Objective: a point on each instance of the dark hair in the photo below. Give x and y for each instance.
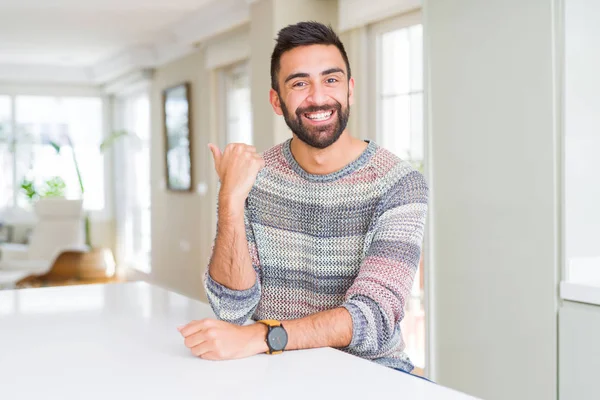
(303, 34)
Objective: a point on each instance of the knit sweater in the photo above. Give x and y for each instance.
(348, 239)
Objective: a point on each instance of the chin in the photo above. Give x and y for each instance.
(321, 142)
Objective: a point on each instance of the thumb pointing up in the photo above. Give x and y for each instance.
(216, 155)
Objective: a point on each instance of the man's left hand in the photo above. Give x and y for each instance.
(212, 339)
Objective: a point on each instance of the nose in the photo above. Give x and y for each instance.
(317, 94)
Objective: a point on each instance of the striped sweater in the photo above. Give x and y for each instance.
(348, 239)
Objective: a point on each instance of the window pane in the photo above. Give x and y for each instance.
(417, 145)
(395, 62)
(396, 125)
(415, 34)
(238, 105)
(6, 157)
(75, 125)
(142, 118)
(83, 116)
(134, 159)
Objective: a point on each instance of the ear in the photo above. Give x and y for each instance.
(351, 91)
(275, 102)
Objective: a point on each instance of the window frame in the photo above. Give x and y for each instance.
(120, 103)
(373, 114)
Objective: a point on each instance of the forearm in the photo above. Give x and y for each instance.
(331, 328)
(230, 264)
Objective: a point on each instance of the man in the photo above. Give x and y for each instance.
(319, 238)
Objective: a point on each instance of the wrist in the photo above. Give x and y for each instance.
(257, 337)
(231, 206)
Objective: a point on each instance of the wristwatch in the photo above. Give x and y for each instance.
(277, 337)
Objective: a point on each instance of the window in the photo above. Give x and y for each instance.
(398, 111)
(36, 126)
(6, 157)
(400, 92)
(581, 185)
(132, 161)
(237, 104)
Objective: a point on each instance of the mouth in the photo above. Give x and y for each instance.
(319, 117)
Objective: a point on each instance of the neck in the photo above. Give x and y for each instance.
(331, 159)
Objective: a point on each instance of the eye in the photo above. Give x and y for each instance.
(331, 80)
(299, 84)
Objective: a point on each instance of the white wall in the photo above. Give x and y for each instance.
(182, 228)
(494, 204)
(582, 128)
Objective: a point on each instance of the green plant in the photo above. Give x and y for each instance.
(110, 140)
(69, 142)
(57, 148)
(55, 187)
(417, 164)
(28, 187)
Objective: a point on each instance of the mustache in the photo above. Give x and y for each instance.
(313, 109)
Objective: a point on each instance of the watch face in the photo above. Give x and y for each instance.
(277, 338)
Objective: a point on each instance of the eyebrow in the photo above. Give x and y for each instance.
(305, 75)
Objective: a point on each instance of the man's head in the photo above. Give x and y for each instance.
(311, 83)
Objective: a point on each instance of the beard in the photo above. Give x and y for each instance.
(318, 137)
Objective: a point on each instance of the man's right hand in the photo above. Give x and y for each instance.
(237, 168)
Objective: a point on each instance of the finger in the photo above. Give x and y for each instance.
(241, 146)
(216, 155)
(211, 355)
(195, 339)
(231, 148)
(193, 327)
(201, 349)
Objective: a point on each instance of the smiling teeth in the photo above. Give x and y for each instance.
(319, 116)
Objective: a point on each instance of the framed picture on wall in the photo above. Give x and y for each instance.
(178, 137)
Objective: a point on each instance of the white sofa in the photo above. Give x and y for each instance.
(59, 227)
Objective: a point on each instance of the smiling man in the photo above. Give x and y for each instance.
(319, 238)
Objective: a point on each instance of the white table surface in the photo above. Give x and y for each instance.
(120, 341)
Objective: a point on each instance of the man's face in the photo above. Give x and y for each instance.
(314, 94)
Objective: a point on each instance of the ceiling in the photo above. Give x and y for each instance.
(91, 33)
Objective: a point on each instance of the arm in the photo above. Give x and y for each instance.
(376, 299)
(231, 280)
(219, 340)
(230, 264)
(331, 328)
(367, 324)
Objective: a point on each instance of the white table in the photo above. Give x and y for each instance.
(119, 341)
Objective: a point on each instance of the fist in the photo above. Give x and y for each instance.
(237, 167)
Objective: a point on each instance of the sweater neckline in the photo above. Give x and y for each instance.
(348, 169)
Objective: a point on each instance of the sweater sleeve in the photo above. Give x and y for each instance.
(236, 306)
(377, 296)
